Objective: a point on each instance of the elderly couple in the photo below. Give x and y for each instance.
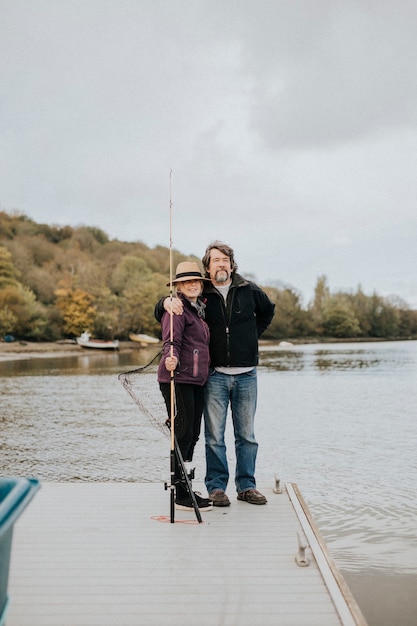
(216, 325)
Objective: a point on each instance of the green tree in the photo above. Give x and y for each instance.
(8, 272)
(289, 320)
(129, 274)
(137, 310)
(321, 297)
(339, 319)
(31, 317)
(361, 304)
(384, 318)
(8, 321)
(407, 323)
(106, 318)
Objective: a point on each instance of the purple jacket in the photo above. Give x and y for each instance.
(191, 338)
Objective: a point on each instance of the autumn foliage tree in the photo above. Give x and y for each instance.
(77, 310)
(57, 281)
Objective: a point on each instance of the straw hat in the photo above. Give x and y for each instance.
(187, 270)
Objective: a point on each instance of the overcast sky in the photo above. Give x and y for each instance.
(290, 128)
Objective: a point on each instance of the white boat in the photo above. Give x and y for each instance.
(143, 339)
(85, 341)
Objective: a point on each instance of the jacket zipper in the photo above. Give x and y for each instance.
(228, 316)
(227, 312)
(195, 362)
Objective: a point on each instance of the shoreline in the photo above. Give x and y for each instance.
(20, 350)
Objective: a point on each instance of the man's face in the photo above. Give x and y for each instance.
(219, 268)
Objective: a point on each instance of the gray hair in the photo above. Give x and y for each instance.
(225, 249)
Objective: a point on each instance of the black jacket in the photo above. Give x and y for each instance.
(236, 325)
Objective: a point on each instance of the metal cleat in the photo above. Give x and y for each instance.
(301, 558)
(277, 488)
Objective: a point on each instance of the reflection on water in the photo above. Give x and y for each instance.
(339, 420)
(82, 363)
(337, 357)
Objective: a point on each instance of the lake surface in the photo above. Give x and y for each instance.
(337, 419)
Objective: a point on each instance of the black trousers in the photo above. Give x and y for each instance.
(189, 400)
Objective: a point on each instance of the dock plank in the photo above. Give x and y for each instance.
(87, 554)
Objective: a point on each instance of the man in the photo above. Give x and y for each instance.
(237, 313)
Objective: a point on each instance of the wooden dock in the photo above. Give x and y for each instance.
(106, 554)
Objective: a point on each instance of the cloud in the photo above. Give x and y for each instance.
(326, 72)
(290, 129)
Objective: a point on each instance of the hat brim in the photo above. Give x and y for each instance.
(183, 279)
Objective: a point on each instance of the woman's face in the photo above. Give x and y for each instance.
(190, 288)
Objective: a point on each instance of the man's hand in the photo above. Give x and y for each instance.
(177, 306)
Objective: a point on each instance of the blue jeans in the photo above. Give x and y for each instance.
(241, 392)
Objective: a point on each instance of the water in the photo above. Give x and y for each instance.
(339, 420)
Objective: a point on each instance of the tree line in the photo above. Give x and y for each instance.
(57, 281)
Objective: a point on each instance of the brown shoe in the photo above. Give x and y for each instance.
(219, 498)
(253, 496)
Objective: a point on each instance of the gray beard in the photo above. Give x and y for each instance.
(222, 279)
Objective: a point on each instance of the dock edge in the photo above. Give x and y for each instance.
(346, 605)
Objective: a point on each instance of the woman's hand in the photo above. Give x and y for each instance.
(171, 363)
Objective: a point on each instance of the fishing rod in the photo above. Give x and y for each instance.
(171, 342)
(175, 452)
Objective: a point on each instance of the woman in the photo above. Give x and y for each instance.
(190, 363)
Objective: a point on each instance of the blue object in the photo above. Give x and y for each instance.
(15, 495)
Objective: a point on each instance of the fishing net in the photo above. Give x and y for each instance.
(143, 387)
